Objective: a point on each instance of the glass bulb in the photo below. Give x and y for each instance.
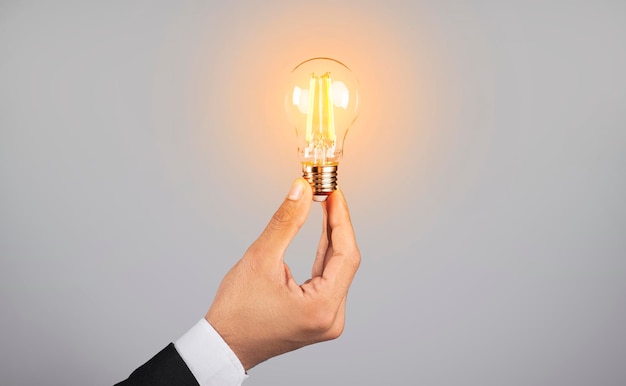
(322, 103)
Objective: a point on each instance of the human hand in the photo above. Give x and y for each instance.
(260, 310)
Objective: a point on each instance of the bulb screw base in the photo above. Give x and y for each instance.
(323, 180)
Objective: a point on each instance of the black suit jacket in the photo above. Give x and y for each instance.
(166, 368)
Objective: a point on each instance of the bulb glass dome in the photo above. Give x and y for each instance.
(322, 103)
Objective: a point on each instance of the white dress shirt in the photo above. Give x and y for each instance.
(209, 358)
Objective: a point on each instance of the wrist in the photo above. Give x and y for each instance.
(232, 342)
(247, 345)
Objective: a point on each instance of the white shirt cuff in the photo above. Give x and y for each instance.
(209, 358)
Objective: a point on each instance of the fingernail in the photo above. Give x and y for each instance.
(295, 193)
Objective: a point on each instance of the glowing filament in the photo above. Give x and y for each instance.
(320, 122)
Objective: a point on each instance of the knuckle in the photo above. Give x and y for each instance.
(335, 331)
(255, 252)
(282, 218)
(352, 259)
(319, 321)
(356, 258)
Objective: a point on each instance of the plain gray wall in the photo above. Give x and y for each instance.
(143, 148)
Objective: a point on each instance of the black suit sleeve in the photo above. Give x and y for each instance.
(165, 369)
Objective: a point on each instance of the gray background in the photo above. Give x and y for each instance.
(143, 146)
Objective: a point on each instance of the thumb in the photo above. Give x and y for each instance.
(285, 223)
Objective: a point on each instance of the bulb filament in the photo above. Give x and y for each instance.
(320, 124)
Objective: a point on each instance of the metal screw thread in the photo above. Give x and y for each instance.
(323, 179)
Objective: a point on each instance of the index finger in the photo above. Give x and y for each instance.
(341, 266)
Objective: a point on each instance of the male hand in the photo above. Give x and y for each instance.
(260, 310)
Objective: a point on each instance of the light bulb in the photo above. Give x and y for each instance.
(322, 103)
